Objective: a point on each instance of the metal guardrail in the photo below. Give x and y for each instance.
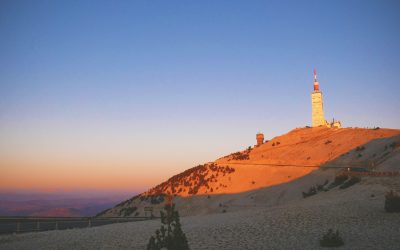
(23, 224)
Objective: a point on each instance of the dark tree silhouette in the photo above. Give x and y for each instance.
(392, 202)
(170, 235)
(331, 239)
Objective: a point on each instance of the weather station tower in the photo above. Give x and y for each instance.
(318, 118)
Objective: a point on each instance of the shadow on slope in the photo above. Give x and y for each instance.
(208, 176)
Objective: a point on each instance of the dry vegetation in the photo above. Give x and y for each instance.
(192, 180)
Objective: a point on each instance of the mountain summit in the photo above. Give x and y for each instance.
(298, 159)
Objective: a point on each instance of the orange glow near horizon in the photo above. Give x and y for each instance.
(45, 176)
(106, 156)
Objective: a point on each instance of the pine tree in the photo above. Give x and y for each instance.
(170, 235)
(392, 202)
(331, 239)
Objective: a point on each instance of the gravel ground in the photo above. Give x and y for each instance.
(360, 218)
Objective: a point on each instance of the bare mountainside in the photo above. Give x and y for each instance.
(257, 214)
(272, 174)
(357, 212)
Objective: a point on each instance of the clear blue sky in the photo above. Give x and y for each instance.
(159, 86)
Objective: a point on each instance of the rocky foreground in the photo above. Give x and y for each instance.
(357, 212)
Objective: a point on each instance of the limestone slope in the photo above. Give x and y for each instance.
(270, 174)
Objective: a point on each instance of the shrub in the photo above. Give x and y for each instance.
(156, 199)
(311, 191)
(328, 141)
(170, 236)
(353, 180)
(360, 148)
(331, 239)
(338, 181)
(126, 211)
(320, 187)
(315, 189)
(240, 156)
(392, 202)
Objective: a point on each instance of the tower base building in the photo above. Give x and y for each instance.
(260, 139)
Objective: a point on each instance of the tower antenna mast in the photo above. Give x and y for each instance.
(315, 74)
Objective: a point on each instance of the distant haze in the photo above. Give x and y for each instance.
(24, 203)
(121, 95)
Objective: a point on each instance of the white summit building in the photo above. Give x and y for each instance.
(318, 118)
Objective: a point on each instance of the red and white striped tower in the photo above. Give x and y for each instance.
(316, 84)
(318, 118)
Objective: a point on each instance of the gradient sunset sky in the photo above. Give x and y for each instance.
(120, 95)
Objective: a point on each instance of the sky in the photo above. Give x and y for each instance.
(120, 95)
